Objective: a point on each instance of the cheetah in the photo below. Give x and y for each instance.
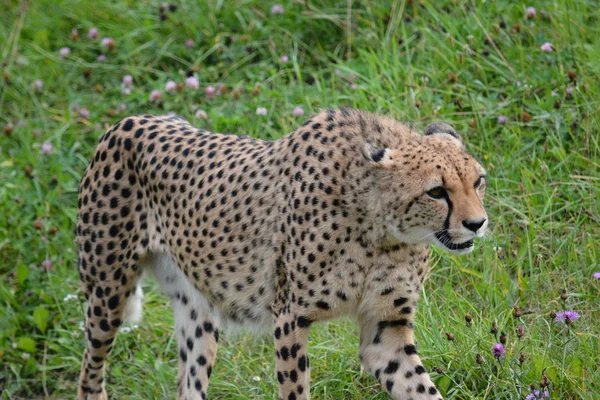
(334, 219)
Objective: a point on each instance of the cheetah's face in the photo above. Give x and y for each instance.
(432, 190)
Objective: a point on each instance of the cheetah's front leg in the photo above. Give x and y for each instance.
(292, 366)
(388, 351)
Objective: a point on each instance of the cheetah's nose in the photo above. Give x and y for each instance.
(474, 225)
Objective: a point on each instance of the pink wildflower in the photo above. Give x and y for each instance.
(108, 43)
(277, 9)
(192, 83)
(155, 95)
(502, 119)
(64, 52)
(298, 112)
(189, 44)
(284, 59)
(569, 90)
(128, 81)
(353, 86)
(547, 47)
(566, 316)
(171, 87)
(101, 58)
(84, 113)
(210, 92)
(498, 351)
(47, 265)
(596, 275)
(93, 33)
(38, 85)
(125, 91)
(530, 13)
(47, 148)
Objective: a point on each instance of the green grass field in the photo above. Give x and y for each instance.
(528, 110)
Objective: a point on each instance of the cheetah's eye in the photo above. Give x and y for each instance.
(478, 182)
(437, 193)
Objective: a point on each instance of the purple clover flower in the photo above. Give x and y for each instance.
(530, 13)
(566, 316)
(277, 9)
(192, 83)
(155, 95)
(210, 92)
(547, 47)
(596, 275)
(498, 351)
(537, 395)
(47, 265)
(64, 52)
(299, 111)
(171, 87)
(47, 148)
(93, 33)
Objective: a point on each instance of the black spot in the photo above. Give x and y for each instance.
(432, 390)
(392, 367)
(389, 384)
(104, 325)
(303, 322)
(410, 349)
(128, 125)
(302, 361)
(399, 301)
(113, 302)
(421, 388)
(419, 369)
(322, 305)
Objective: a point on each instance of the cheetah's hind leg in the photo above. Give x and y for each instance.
(196, 328)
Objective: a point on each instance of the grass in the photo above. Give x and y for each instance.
(465, 62)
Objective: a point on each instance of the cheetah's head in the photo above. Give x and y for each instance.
(431, 190)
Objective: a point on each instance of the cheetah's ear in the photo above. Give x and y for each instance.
(442, 128)
(377, 156)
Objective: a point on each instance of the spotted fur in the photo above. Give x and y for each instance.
(332, 219)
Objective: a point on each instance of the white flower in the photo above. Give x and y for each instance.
(69, 297)
(261, 111)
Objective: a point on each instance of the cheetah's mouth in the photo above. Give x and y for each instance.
(444, 238)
